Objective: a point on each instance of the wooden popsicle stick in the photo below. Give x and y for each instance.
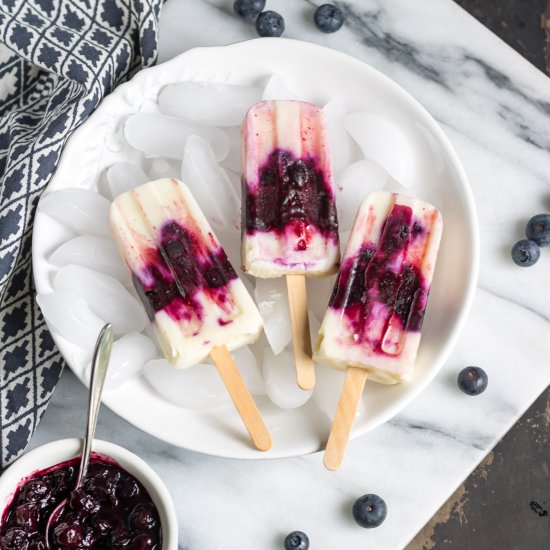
(344, 417)
(241, 397)
(301, 340)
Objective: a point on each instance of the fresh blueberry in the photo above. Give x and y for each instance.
(328, 18)
(525, 253)
(369, 511)
(472, 380)
(296, 541)
(248, 9)
(538, 229)
(270, 23)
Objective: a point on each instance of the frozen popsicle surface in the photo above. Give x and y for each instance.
(289, 221)
(188, 287)
(376, 310)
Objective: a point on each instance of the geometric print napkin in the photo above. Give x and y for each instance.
(58, 59)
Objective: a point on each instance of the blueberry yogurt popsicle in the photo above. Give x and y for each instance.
(197, 304)
(374, 318)
(289, 224)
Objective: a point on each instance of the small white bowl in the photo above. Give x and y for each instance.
(64, 449)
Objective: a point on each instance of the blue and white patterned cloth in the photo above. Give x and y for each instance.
(58, 59)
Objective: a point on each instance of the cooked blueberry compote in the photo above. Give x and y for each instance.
(178, 269)
(291, 191)
(111, 511)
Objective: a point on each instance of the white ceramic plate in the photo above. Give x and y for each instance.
(317, 74)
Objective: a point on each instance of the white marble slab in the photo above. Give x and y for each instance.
(495, 108)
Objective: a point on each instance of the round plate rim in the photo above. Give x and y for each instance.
(307, 48)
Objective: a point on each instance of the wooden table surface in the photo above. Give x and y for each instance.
(505, 503)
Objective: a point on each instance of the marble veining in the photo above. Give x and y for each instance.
(495, 108)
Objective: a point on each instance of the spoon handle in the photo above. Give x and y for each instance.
(100, 362)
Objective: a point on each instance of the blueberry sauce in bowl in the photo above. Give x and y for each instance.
(113, 509)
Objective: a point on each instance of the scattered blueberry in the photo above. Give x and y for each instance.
(328, 18)
(248, 9)
(296, 541)
(525, 253)
(472, 380)
(538, 229)
(270, 23)
(369, 511)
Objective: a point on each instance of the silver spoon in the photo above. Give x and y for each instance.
(100, 362)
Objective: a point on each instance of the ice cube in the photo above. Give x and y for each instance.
(342, 147)
(328, 387)
(98, 253)
(82, 210)
(235, 180)
(209, 103)
(248, 281)
(162, 168)
(278, 88)
(344, 238)
(314, 326)
(233, 159)
(69, 315)
(210, 185)
(123, 176)
(149, 331)
(231, 243)
(128, 358)
(199, 387)
(106, 297)
(272, 300)
(354, 184)
(383, 142)
(249, 369)
(280, 380)
(319, 290)
(162, 136)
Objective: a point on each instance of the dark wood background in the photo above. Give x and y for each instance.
(505, 503)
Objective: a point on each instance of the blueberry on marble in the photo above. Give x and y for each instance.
(328, 18)
(369, 511)
(270, 23)
(538, 229)
(525, 253)
(296, 541)
(248, 9)
(472, 380)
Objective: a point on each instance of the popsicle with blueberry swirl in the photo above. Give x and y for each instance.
(372, 326)
(289, 225)
(197, 304)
